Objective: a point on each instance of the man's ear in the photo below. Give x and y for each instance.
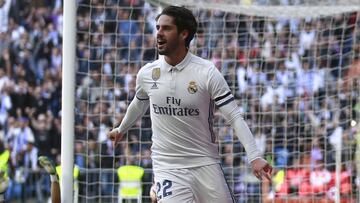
(184, 34)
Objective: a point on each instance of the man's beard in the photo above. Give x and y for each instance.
(162, 52)
(168, 47)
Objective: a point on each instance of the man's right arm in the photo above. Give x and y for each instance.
(135, 111)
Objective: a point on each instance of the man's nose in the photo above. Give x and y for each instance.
(159, 32)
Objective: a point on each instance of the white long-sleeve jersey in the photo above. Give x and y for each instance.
(181, 100)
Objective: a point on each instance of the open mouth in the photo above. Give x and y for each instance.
(161, 42)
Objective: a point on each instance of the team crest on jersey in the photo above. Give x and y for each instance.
(192, 88)
(155, 76)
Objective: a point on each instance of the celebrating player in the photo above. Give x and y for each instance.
(181, 90)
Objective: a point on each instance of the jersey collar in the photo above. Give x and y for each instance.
(179, 66)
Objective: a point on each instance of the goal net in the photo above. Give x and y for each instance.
(292, 65)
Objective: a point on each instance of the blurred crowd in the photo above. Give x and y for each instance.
(296, 81)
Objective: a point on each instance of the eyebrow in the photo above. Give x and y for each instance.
(164, 26)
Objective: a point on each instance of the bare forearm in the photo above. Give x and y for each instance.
(55, 192)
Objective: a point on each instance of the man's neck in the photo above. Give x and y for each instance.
(176, 57)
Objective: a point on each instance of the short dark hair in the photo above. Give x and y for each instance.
(183, 19)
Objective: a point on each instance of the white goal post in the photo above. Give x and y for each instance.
(68, 101)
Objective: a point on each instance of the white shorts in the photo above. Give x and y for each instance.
(205, 184)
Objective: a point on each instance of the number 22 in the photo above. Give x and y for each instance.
(165, 186)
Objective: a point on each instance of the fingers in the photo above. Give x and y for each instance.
(115, 137)
(267, 176)
(262, 174)
(112, 136)
(153, 194)
(268, 169)
(266, 172)
(258, 175)
(116, 140)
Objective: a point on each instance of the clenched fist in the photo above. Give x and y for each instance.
(115, 135)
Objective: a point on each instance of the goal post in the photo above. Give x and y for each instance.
(291, 65)
(68, 100)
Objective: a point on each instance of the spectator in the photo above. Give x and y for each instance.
(42, 132)
(4, 13)
(352, 75)
(319, 181)
(293, 178)
(306, 39)
(23, 135)
(5, 103)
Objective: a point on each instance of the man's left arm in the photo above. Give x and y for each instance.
(259, 165)
(224, 100)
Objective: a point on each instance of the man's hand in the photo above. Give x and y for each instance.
(261, 168)
(153, 194)
(115, 136)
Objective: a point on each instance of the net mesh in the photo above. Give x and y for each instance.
(293, 67)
